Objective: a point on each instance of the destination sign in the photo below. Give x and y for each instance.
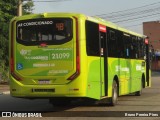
(35, 23)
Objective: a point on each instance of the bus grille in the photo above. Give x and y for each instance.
(43, 90)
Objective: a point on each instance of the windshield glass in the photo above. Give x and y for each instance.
(51, 31)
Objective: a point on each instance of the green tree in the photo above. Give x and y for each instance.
(8, 10)
(28, 7)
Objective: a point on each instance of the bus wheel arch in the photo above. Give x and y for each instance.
(139, 93)
(115, 92)
(143, 80)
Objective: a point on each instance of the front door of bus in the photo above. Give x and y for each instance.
(103, 61)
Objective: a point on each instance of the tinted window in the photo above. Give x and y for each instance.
(92, 39)
(112, 42)
(52, 31)
(134, 48)
(127, 45)
(120, 45)
(141, 48)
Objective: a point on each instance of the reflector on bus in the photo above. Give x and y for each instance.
(102, 28)
(146, 41)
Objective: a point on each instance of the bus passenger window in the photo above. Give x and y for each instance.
(92, 39)
(112, 43)
(127, 45)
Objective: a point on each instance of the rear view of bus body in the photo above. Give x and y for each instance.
(68, 55)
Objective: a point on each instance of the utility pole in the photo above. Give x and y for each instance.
(19, 12)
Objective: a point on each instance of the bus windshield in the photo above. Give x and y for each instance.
(50, 31)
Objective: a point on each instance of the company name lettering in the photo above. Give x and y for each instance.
(37, 58)
(35, 23)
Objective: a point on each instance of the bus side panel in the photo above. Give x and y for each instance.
(112, 63)
(118, 69)
(136, 71)
(130, 76)
(122, 71)
(94, 76)
(129, 73)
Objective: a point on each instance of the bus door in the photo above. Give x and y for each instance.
(103, 60)
(147, 62)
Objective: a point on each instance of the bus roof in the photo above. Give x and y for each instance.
(94, 19)
(112, 25)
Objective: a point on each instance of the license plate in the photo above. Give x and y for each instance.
(43, 81)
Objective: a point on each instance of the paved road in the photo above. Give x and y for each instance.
(148, 103)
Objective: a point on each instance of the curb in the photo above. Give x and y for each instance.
(5, 93)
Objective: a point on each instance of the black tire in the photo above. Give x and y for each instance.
(138, 93)
(113, 100)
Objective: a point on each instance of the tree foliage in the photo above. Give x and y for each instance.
(28, 7)
(8, 9)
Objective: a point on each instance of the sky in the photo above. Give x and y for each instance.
(105, 9)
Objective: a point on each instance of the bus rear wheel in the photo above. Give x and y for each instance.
(138, 93)
(113, 100)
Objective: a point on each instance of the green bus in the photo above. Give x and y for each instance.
(65, 56)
